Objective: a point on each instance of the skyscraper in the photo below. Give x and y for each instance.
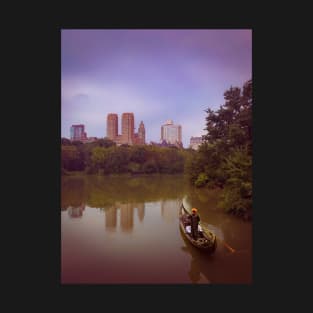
(112, 126)
(128, 124)
(195, 142)
(171, 133)
(141, 134)
(128, 135)
(78, 132)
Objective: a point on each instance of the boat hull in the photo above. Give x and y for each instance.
(206, 240)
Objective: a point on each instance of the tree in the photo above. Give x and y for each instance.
(232, 123)
(105, 142)
(98, 158)
(138, 154)
(238, 188)
(71, 159)
(225, 158)
(65, 142)
(150, 167)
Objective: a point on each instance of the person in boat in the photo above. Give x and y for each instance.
(194, 219)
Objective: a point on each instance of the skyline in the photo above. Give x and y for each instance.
(156, 74)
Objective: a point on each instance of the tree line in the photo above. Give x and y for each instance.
(224, 160)
(104, 157)
(104, 191)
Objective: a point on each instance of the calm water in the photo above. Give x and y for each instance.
(118, 230)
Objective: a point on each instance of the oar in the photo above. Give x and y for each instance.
(223, 242)
(226, 245)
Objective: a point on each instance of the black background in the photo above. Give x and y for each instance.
(33, 130)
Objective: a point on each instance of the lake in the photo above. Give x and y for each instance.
(125, 230)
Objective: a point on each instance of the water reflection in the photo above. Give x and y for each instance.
(114, 222)
(141, 211)
(102, 192)
(75, 212)
(169, 210)
(111, 218)
(127, 216)
(219, 268)
(73, 192)
(119, 197)
(198, 263)
(124, 213)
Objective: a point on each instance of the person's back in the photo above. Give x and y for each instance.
(194, 221)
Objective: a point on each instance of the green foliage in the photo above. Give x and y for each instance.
(71, 158)
(90, 170)
(225, 159)
(237, 195)
(134, 168)
(65, 142)
(106, 143)
(201, 180)
(150, 167)
(98, 157)
(102, 157)
(138, 154)
(189, 165)
(169, 160)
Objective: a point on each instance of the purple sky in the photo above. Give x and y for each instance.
(156, 74)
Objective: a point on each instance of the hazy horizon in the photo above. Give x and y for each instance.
(157, 74)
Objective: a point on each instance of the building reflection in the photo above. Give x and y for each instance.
(140, 211)
(127, 216)
(169, 210)
(75, 212)
(111, 218)
(123, 214)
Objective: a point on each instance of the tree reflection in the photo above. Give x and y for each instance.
(105, 191)
(73, 192)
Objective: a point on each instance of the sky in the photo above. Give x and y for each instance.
(158, 74)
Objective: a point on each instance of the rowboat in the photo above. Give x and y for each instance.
(206, 240)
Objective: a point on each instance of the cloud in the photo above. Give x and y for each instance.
(157, 75)
(90, 102)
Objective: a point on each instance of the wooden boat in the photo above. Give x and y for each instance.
(206, 239)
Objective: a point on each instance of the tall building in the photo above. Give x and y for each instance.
(128, 124)
(128, 135)
(141, 134)
(112, 126)
(78, 132)
(171, 133)
(195, 142)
